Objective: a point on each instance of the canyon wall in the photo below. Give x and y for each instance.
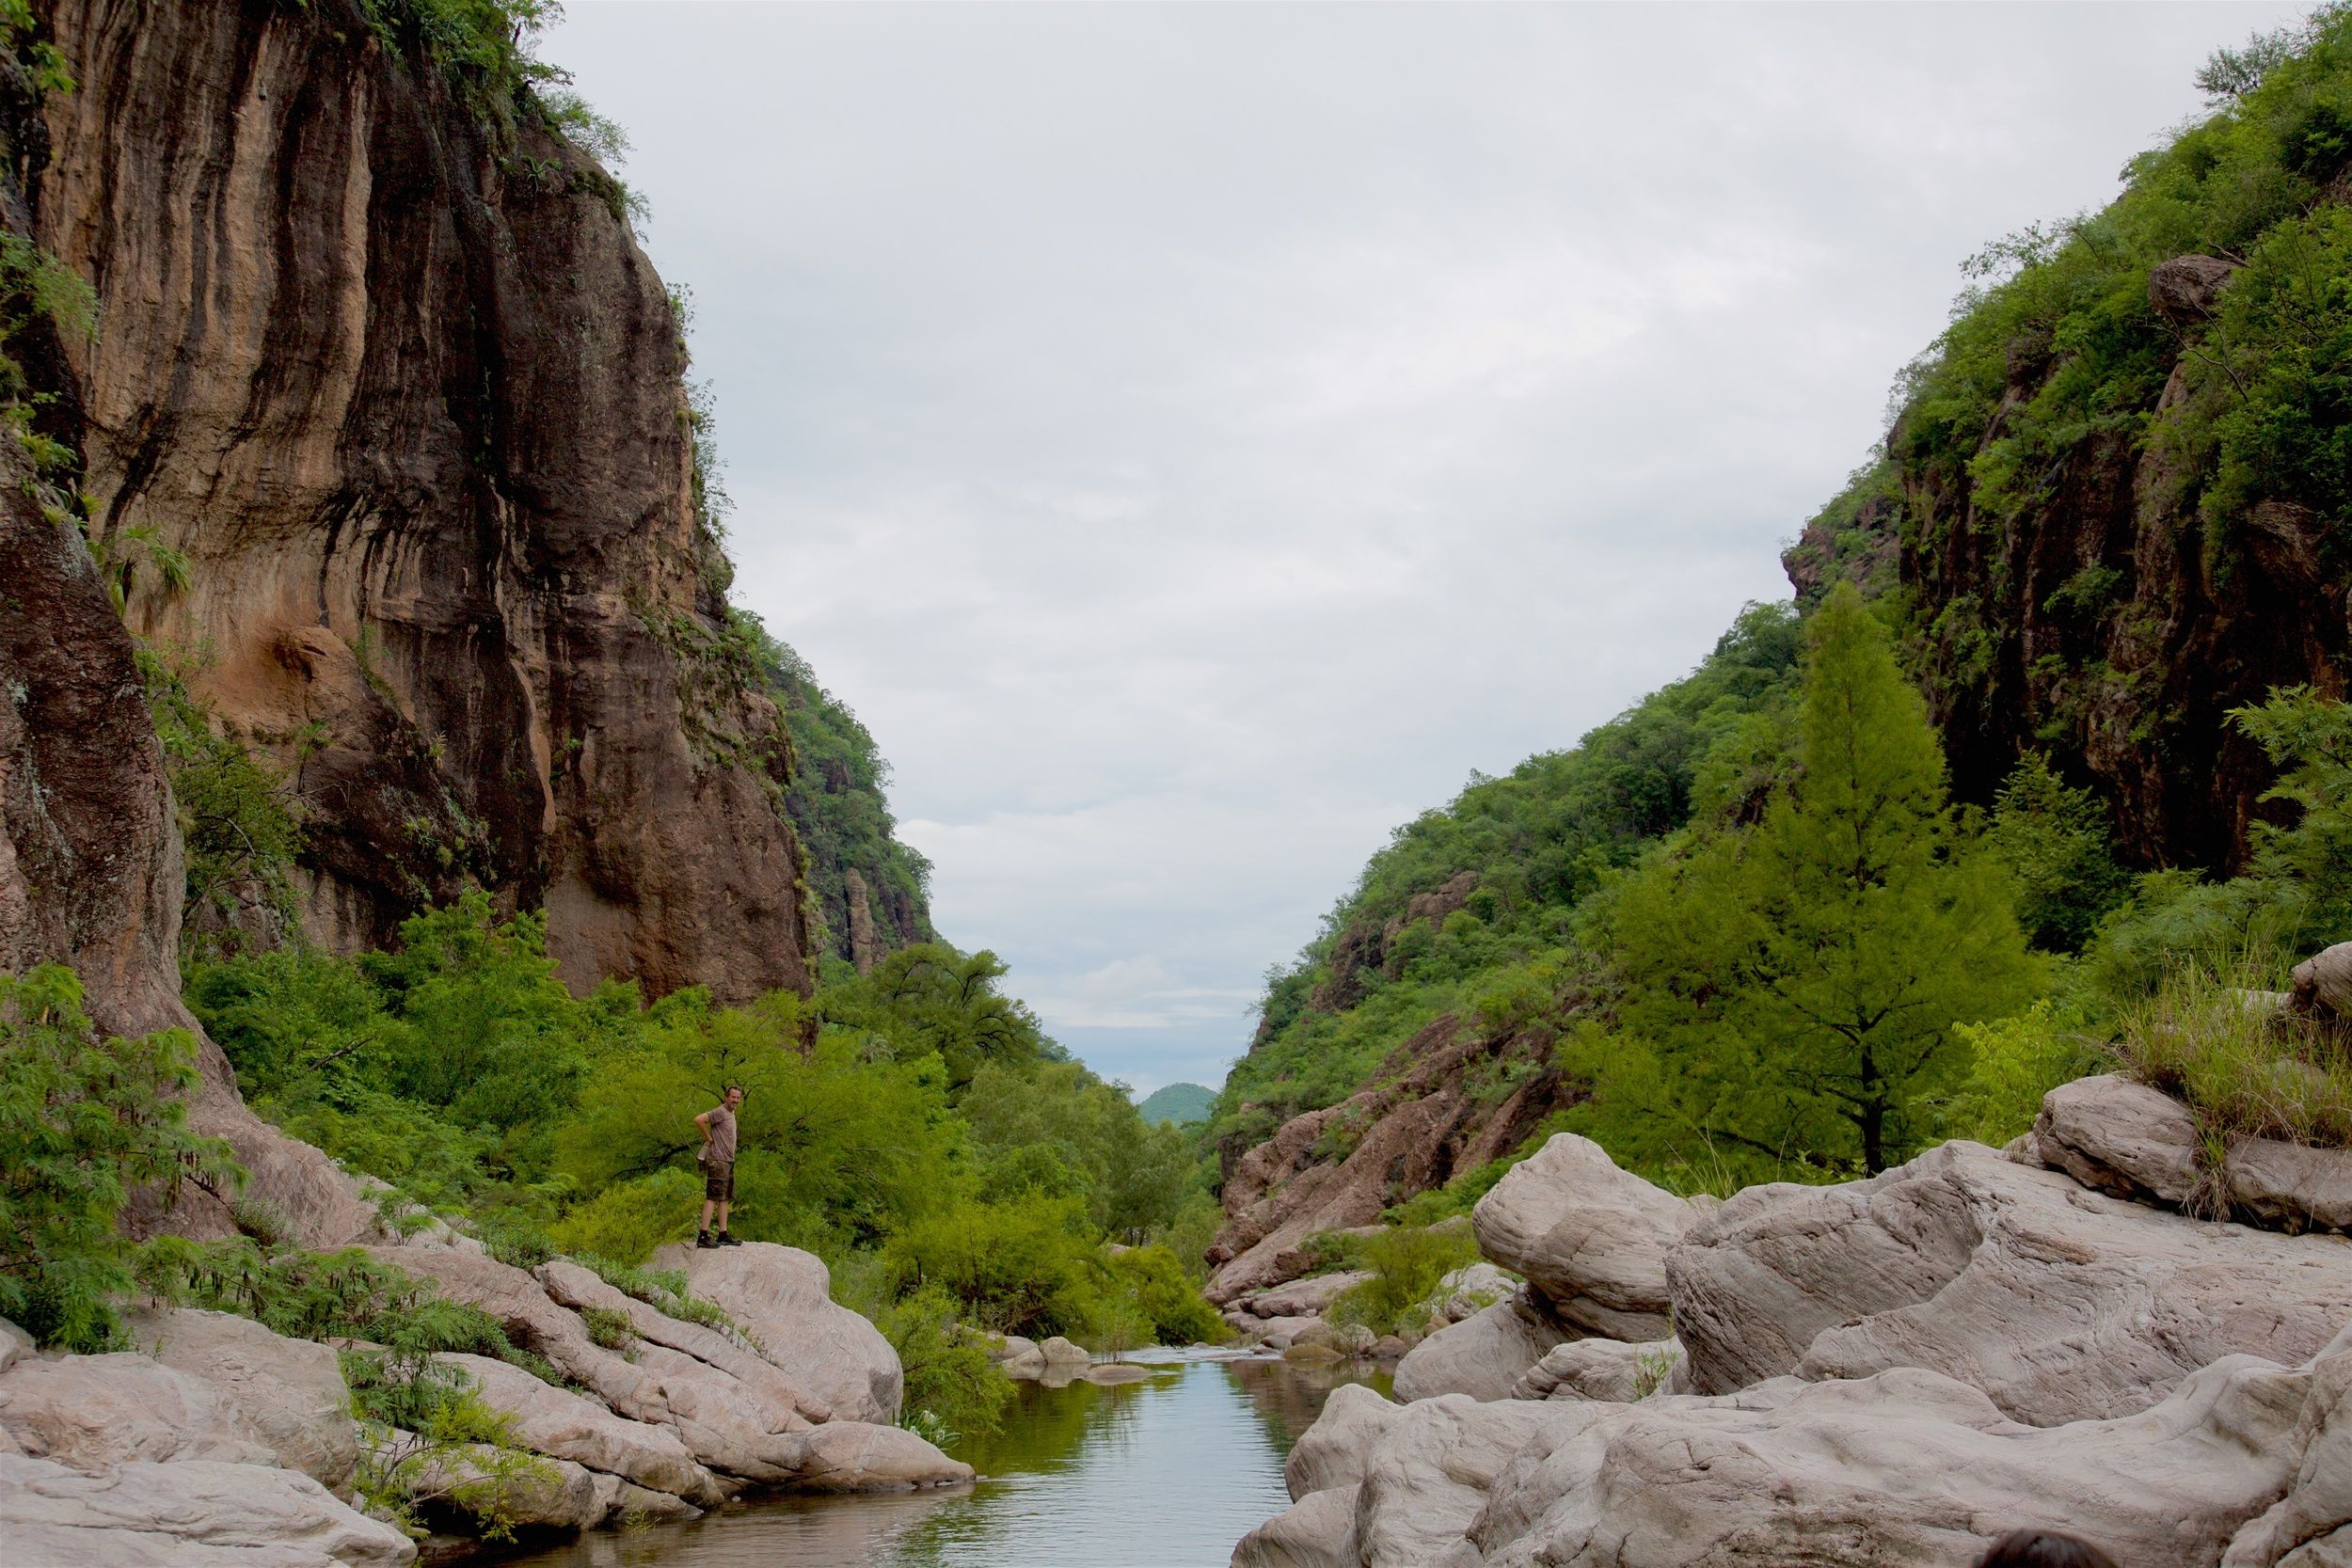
(379, 354)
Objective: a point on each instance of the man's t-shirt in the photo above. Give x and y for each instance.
(722, 1151)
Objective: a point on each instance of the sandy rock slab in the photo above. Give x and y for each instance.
(1485, 1354)
(1907, 1466)
(859, 1456)
(784, 1296)
(291, 1391)
(1590, 1240)
(91, 1413)
(563, 1425)
(1310, 1297)
(1603, 1369)
(2061, 1304)
(191, 1514)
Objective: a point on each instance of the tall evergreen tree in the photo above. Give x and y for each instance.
(1793, 988)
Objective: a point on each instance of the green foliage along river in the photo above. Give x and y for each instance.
(1165, 1473)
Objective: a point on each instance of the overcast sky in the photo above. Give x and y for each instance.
(1193, 439)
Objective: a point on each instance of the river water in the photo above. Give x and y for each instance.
(1164, 1473)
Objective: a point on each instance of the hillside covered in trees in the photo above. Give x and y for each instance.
(2104, 545)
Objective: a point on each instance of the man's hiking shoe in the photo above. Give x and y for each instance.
(727, 1239)
(702, 1239)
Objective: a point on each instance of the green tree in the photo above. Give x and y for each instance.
(929, 997)
(2054, 840)
(83, 1122)
(1799, 984)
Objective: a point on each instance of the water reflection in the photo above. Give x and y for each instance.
(1166, 1473)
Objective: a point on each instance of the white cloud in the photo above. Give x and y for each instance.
(1194, 439)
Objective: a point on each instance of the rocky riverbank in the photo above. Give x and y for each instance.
(1888, 1370)
(217, 1442)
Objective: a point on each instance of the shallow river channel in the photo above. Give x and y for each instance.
(1164, 1473)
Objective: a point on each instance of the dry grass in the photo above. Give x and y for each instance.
(2244, 1067)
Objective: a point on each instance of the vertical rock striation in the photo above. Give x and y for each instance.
(401, 384)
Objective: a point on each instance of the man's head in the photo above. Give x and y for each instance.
(734, 1096)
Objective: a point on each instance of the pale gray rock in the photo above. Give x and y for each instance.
(563, 1425)
(14, 1344)
(2061, 1304)
(291, 1391)
(1335, 1451)
(2323, 984)
(1314, 1532)
(1601, 1370)
(191, 1514)
(1907, 1466)
(1591, 1239)
(95, 1412)
(782, 1296)
(1281, 1333)
(632, 1503)
(1009, 1347)
(2291, 1187)
(1059, 1351)
(1117, 1372)
(779, 1403)
(1307, 1297)
(858, 1456)
(552, 1494)
(1468, 1290)
(2120, 1137)
(1484, 1355)
(2312, 1525)
(531, 1316)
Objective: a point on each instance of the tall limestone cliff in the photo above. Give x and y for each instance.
(379, 354)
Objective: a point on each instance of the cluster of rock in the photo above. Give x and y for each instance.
(1888, 1370)
(218, 1442)
(1294, 1316)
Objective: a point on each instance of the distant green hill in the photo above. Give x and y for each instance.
(1181, 1104)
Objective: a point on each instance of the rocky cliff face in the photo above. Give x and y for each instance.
(405, 393)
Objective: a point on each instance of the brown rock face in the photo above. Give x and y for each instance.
(1422, 1121)
(89, 858)
(2108, 621)
(407, 394)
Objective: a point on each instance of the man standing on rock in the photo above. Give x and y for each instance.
(718, 1162)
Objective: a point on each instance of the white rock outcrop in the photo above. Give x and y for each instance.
(1603, 1369)
(783, 1297)
(291, 1391)
(91, 1413)
(188, 1514)
(1485, 1354)
(2059, 1303)
(1590, 1240)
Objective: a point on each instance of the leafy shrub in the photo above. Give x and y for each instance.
(629, 1220)
(1029, 1267)
(952, 1386)
(2014, 1062)
(83, 1122)
(1407, 1264)
(1167, 1305)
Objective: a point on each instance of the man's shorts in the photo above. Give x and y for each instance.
(718, 1184)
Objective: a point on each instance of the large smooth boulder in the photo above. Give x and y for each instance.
(292, 1391)
(1602, 1369)
(93, 1412)
(2058, 1303)
(782, 1296)
(2133, 1141)
(779, 1403)
(1417, 1476)
(2323, 984)
(191, 1514)
(2120, 1137)
(1305, 1298)
(1906, 1466)
(858, 1456)
(1483, 1356)
(1590, 1240)
(563, 1425)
